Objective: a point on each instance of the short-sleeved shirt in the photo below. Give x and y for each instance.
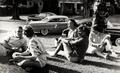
(14, 42)
(37, 49)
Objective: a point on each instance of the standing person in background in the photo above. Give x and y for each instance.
(35, 55)
(12, 43)
(75, 44)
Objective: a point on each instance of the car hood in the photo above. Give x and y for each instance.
(35, 22)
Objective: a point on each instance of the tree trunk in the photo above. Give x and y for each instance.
(85, 9)
(15, 14)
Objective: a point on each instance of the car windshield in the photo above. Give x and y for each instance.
(42, 14)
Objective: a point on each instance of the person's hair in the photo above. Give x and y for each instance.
(102, 11)
(20, 27)
(84, 29)
(28, 31)
(74, 22)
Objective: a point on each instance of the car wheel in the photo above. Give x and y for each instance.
(117, 42)
(44, 31)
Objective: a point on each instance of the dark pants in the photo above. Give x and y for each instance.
(32, 67)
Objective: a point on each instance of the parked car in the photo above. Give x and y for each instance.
(36, 17)
(50, 24)
(114, 31)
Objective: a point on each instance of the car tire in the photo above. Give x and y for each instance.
(117, 42)
(44, 31)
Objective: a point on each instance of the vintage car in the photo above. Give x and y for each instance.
(36, 17)
(50, 24)
(113, 30)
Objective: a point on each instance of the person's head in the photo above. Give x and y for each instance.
(83, 30)
(102, 11)
(28, 31)
(72, 24)
(19, 32)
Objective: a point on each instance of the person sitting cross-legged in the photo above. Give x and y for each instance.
(33, 60)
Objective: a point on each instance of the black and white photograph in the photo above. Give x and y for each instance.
(59, 36)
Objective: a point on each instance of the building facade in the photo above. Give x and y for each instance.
(64, 7)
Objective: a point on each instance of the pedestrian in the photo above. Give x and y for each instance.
(35, 55)
(12, 43)
(75, 44)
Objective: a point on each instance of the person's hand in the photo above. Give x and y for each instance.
(65, 41)
(72, 42)
(14, 48)
(16, 54)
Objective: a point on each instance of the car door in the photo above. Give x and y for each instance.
(52, 23)
(62, 24)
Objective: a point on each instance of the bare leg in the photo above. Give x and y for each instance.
(59, 47)
(67, 50)
(110, 48)
(101, 54)
(108, 45)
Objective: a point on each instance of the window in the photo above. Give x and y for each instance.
(61, 20)
(53, 20)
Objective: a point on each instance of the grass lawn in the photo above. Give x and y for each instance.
(6, 68)
(92, 64)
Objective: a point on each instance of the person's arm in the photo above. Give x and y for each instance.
(109, 24)
(33, 50)
(78, 37)
(24, 46)
(75, 41)
(65, 32)
(24, 55)
(27, 57)
(6, 42)
(91, 40)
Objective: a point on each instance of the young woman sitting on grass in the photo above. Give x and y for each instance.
(35, 55)
(75, 44)
(99, 40)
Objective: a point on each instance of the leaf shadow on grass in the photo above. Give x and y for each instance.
(100, 64)
(4, 59)
(57, 59)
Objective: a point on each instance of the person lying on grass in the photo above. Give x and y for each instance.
(75, 44)
(13, 43)
(35, 55)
